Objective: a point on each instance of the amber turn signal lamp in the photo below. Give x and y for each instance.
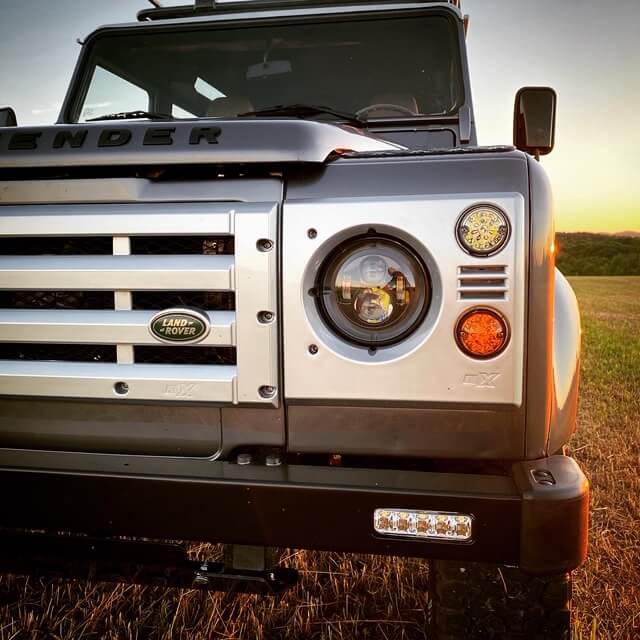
(482, 333)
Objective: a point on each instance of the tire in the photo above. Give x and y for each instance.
(474, 600)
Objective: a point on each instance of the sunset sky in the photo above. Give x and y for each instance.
(588, 50)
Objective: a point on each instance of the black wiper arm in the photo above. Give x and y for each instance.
(133, 115)
(305, 111)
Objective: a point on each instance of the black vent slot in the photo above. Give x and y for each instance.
(184, 355)
(158, 300)
(480, 270)
(482, 295)
(56, 246)
(56, 299)
(182, 245)
(58, 352)
(485, 282)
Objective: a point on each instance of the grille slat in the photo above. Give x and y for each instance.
(100, 380)
(97, 327)
(151, 273)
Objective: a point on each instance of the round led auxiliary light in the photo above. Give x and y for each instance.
(482, 333)
(373, 291)
(483, 230)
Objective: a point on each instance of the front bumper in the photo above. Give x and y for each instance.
(542, 528)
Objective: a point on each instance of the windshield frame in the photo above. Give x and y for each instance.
(82, 75)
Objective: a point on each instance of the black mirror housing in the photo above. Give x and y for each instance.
(8, 117)
(534, 120)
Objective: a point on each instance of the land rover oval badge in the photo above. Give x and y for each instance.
(180, 325)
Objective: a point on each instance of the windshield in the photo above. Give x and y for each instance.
(379, 68)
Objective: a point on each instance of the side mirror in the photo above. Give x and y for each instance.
(534, 120)
(8, 117)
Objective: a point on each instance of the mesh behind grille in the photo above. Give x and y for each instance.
(208, 300)
(184, 355)
(182, 245)
(103, 245)
(63, 352)
(56, 299)
(56, 246)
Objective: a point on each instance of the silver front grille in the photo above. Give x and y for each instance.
(79, 284)
(483, 283)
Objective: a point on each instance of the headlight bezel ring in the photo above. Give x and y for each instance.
(357, 333)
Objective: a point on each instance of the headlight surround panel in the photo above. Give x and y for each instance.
(426, 365)
(373, 291)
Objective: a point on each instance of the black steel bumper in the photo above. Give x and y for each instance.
(519, 519)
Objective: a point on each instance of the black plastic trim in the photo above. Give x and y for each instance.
(323, 508)
(416, 153)
(554, 517)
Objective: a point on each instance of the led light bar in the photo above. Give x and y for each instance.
(433, 525)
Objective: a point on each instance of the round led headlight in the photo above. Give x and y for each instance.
(373, 291)
(483, 230)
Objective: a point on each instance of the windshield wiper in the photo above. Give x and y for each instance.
(305, 111)
(133, 115)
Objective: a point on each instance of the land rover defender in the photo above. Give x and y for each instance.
(260, 286)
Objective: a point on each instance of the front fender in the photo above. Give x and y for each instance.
(566, 364)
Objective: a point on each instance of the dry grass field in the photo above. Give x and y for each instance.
(607, 444)
(345, 596)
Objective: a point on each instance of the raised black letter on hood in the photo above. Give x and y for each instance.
(114, 137)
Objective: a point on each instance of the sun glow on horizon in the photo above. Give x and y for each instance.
(588, 51)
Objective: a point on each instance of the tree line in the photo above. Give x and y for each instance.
(597, 254)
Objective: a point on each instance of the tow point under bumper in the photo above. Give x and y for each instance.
(536, 518)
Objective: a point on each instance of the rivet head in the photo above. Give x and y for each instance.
(265, 316)
(313, 349)
(312, 234)
(264, 244)
(121, 388)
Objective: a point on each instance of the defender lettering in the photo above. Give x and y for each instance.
(108, 138)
